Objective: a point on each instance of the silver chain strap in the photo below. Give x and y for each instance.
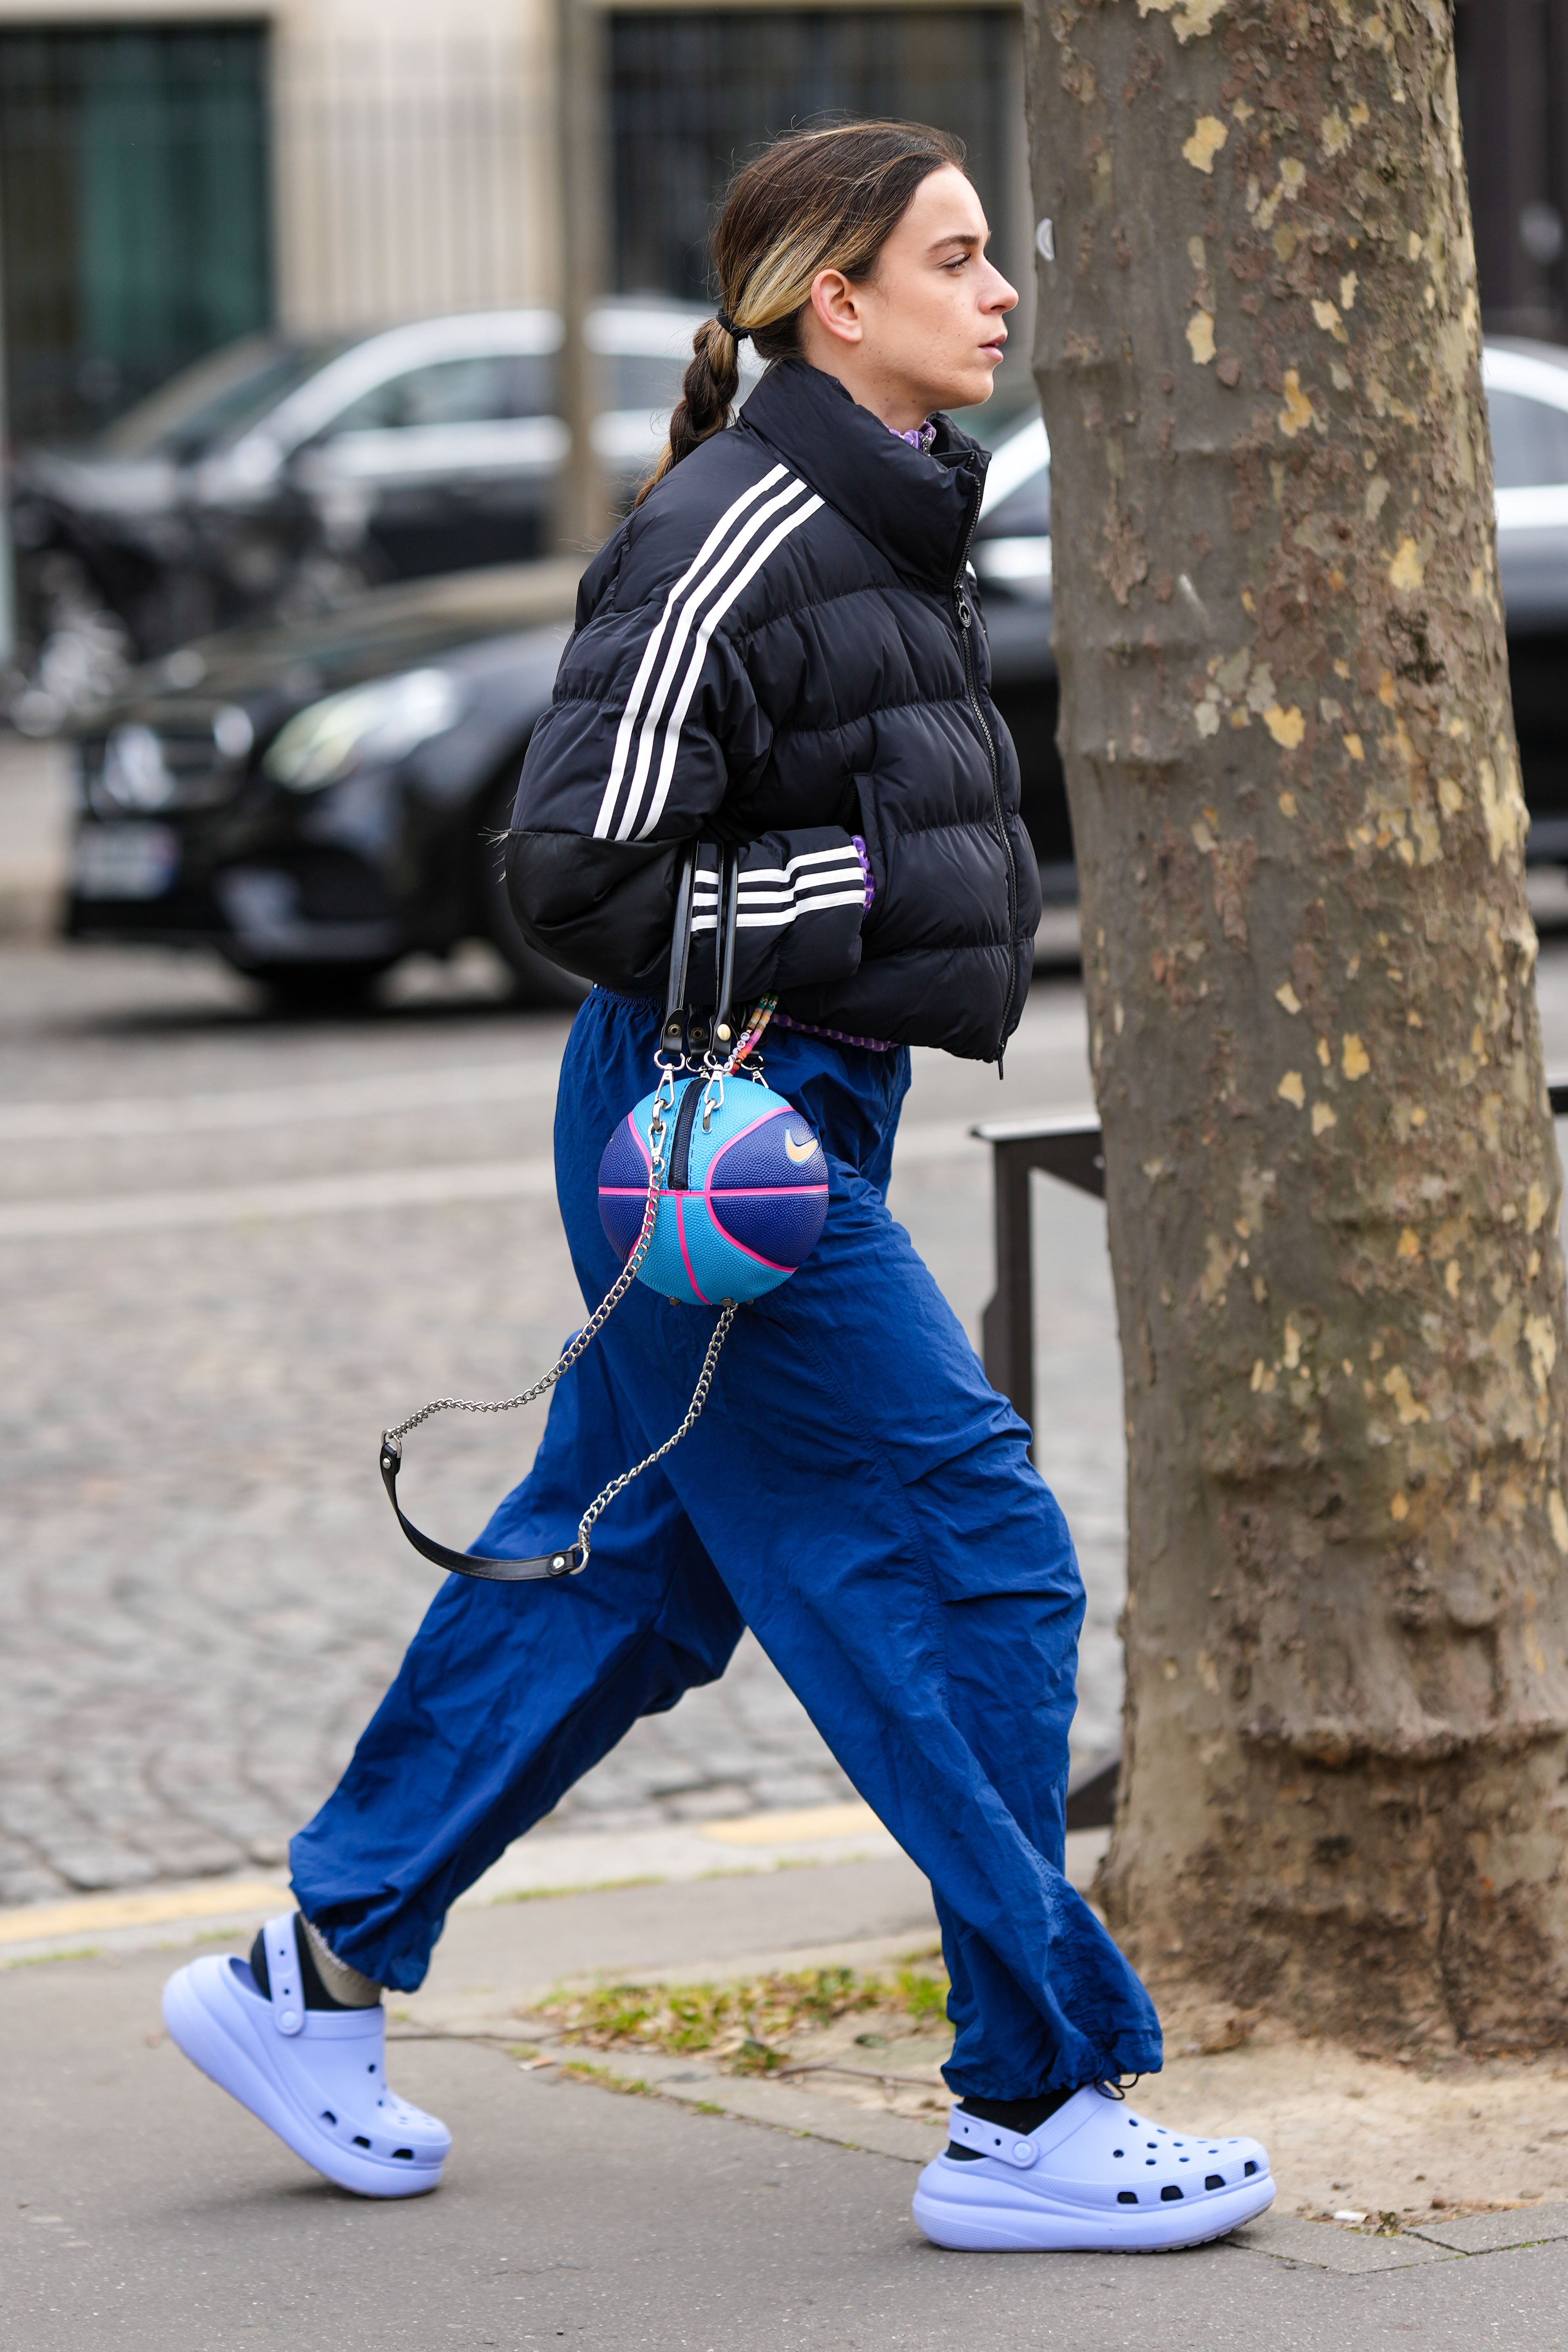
(589, 1330)
(392, 1438)
(699, 1399)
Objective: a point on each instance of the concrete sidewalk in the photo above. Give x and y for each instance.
(142, 2209)
(35, 791)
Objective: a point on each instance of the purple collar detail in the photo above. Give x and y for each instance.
(919, 436)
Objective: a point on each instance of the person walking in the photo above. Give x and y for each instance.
(777, 655)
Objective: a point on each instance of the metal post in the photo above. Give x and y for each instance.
(1007, 1332)
(1070, 1149)
(583, 156)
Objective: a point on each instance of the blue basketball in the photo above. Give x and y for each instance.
(744, 1202)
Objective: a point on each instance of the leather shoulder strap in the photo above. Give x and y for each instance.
(568, 1561)
(672, 1036)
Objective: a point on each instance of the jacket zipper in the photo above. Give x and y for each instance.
(964, 614)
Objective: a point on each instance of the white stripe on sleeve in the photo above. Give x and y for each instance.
(712, 580)
(682, 703)
(774, 919)
(651, 651)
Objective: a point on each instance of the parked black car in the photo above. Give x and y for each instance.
(277, 479)
(314, 801)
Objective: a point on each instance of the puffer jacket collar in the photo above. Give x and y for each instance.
(920, 509)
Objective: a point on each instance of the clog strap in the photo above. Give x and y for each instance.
(991, 2139)
(283, 1974)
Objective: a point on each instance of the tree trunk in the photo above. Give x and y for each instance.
(1333, 1185)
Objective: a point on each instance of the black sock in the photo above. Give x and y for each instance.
(315, 1991)
(1021, 2115)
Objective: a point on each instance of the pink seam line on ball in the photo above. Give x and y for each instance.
(680, 1201)
(784, 1111)
(754, 1191)
(725, 1192)
(772, 1264)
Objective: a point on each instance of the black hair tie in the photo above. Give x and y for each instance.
(736, 334)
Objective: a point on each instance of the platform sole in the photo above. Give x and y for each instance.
(220, 2045)
(1039, 2227)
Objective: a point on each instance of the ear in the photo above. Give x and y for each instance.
(838, 306)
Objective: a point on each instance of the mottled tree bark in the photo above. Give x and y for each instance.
(1333, 1185)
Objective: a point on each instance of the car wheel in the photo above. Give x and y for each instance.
(318, 992)
(538, 981)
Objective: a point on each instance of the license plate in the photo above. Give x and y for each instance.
(125, 861)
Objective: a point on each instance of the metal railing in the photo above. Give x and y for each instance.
(1072, 1150)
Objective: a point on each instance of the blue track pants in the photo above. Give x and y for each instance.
(858, 1496)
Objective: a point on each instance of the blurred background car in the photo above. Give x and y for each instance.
(315, 800)
(277, 479)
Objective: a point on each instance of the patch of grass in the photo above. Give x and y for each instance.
(594, 1887)
(923, 1997)
(45, 1959)
(607, 2080)
(754, 2057)
(747, 2024)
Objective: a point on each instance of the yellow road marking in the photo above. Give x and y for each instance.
(785, 1829)
(93, 1913)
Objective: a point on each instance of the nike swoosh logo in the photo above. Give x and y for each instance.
(799, 1152)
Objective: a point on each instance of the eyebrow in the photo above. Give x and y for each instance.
(961, 236)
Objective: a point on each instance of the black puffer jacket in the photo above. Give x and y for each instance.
(778, 650)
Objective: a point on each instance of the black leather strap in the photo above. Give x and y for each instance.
(567, 1561)
(729, 911)
(688, 1028)
(673, 1035)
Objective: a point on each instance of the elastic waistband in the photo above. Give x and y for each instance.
(632, 1004)
(780, 1021)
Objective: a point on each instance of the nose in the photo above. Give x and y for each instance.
(998, 295)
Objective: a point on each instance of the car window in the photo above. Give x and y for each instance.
(212, 404)
(640, 380)
(481, 390)
(994, 421)
(1024, 513)
(1530, 441)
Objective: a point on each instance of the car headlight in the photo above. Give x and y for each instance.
(134, 773)
(368, 725)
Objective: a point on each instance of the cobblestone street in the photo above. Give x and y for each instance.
(230, 1250)
(203, 1592)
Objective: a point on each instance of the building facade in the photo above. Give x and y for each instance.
(173, 177)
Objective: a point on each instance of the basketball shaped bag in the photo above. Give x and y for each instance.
(746, 1197)
(712, 1190)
